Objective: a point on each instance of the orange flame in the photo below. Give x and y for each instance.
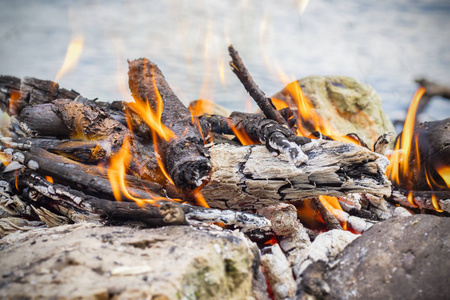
(199, 199)
(444, 172)
(241, 135)
(278, 103)
(307, 114)
(222, 72)
(116, 174)
(72, 56)
(200, 107)
(49, 179)
(398, 169)
(4, 159)
(333, 206)
(150, 117)
(435, 203)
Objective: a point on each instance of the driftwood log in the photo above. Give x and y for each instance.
(250, 178)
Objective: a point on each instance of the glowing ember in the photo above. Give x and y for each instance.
(333, 206)
(241, 135)
(49, 179)
(72, 56)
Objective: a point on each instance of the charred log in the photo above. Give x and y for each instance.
(185, 157)
(277, 138)
(427, 171)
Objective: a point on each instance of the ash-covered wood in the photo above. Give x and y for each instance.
(36, 91)
(249, 177)
(400, 258)
(185, 157)
(278, 273)
(92, 178)
(277, 138)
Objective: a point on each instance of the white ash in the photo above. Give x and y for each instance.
(278, 272)
(33, 165)
(325, 248)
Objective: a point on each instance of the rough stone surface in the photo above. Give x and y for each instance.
(345, 104)
(401, 258)
(86, 261)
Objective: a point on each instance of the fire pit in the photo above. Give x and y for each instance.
(278, 203)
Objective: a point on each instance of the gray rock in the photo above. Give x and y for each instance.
(345, 104)
(402, 258)
(86, 261)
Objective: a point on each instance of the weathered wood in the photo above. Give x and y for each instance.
(249, 177)
(184, 155)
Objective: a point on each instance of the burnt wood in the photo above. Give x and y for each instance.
(185, 157)
(264, 103)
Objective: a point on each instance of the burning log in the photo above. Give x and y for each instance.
(185, 158)
(254, 128)
(78, 206)
(249, 177)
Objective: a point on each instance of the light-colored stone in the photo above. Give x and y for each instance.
(346, 105)
(87, 261)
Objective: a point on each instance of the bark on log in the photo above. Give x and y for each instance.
(249, 177)
(185, 157)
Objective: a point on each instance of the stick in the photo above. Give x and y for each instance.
(264, 103)
(327, 216)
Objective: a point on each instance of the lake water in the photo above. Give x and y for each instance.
(385, 43)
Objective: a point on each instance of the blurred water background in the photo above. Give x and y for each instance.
(384, 43)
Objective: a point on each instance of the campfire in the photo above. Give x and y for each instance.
(285, 188)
